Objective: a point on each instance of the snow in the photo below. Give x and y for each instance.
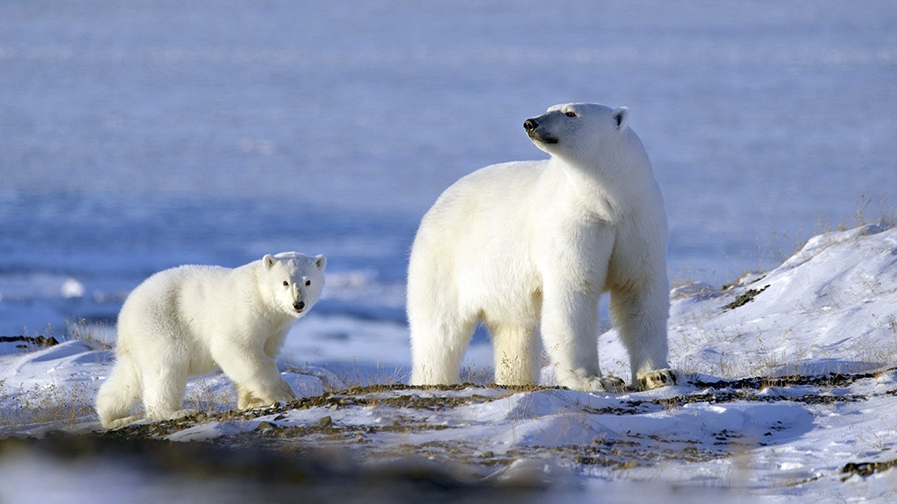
(782, 393)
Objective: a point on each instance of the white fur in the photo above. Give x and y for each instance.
(192, 320)
(528, 247)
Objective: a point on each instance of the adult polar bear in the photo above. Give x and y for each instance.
(528, 247)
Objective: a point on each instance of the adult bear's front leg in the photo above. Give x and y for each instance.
(570, 335)
(640, 316)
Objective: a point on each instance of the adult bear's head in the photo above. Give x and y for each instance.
(582, 131)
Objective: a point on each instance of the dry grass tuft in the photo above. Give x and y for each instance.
(52, 404)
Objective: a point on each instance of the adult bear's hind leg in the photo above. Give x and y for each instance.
(437, 350)
(517, 354)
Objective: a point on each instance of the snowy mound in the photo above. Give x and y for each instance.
(790, 393)
(831, 307)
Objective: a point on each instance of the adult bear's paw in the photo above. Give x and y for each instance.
(657, 378)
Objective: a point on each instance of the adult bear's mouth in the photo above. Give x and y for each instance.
(536, 136)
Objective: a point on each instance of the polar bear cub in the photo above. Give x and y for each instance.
(192, 320)
(528, 247)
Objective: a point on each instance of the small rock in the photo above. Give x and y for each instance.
(265, 426)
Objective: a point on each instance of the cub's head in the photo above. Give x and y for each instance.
(292, 282)
(578, 130)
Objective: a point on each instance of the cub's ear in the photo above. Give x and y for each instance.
(320, 261)
(268, 261)
(621, 116)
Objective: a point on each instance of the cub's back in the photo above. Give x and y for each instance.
(167, 290)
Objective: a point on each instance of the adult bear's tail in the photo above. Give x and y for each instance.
(120, 392)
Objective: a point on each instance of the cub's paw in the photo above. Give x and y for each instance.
(249, 401)
(279, 392)
(161, 415)
(121, 422)
(182, 413)
(657, 378)
(283, 393)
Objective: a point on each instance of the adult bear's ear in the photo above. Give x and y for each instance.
(320, 261)
(268, 261)
(621, 116)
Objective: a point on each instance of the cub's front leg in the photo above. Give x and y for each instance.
(255, 374)
(246, 400)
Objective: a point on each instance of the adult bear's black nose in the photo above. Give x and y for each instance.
(299, 305)
(530, 124)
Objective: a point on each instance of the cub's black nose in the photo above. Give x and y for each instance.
(530, 124)
(299, 305)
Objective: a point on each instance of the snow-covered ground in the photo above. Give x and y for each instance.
(791, 384)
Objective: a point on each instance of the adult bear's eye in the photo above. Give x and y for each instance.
(570, 113)
(286, 284)
(307, 283)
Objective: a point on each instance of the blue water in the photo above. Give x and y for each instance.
(135, 136)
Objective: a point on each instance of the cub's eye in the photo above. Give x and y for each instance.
(307, 283)
(570, 113)
(286, 284)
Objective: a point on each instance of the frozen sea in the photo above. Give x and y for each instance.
(136, 136)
